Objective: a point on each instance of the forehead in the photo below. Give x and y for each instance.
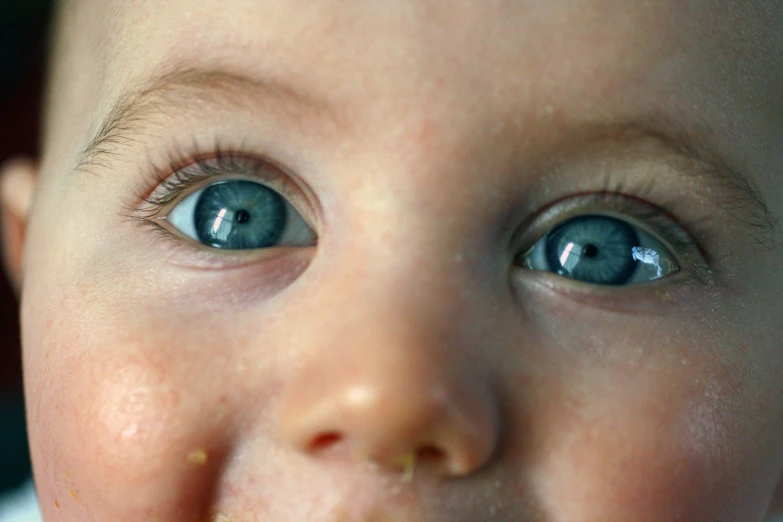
(549, 29)
(519, 44)
(533, 51)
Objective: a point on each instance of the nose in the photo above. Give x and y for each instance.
(395, 377)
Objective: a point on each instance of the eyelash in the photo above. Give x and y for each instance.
(633, 201)
(182, 169)
(164, 182)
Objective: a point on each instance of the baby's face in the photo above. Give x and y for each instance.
(409, 261)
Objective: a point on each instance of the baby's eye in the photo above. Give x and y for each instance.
(601, 250)
(239, 215)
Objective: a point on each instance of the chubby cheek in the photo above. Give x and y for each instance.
(118, 427)
(619, 466)
(673, 435)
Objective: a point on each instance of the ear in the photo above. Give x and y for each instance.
(17, 183)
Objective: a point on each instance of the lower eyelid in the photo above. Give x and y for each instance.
(677, 294)
(181, 251)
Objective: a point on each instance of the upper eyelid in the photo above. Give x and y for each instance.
(197, 173)
(617, 201)
(659, 219)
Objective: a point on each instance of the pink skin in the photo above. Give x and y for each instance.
(291, 384)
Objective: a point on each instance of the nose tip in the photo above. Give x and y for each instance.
(400, 421)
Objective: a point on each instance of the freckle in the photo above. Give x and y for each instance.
(73, 494)
(198, 457)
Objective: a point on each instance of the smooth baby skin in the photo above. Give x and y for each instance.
(428, 144)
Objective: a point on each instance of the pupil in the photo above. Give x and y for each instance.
(243, 216)
(591, 251)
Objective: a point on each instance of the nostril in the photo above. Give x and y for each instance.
(430, 455)
(325, 441)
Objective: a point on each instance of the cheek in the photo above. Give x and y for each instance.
(675, 435)
(618, 465)
(117, 427)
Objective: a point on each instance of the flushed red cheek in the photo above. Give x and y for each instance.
(117, 437)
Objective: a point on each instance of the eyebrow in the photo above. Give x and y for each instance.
(185, 87)
(743, 197)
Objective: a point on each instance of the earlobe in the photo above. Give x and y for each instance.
(17, 183)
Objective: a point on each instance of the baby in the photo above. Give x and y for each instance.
(405, 260)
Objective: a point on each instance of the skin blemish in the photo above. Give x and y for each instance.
(198, 457)
(57, 503)
(73, 495)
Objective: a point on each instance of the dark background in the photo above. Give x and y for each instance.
(23, 33)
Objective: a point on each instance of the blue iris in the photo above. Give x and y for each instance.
(593, 249)
(239, 214)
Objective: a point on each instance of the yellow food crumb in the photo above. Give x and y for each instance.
(57, 503)
(408, 463)
(198, 457)
(73, 494)
(214, 516)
